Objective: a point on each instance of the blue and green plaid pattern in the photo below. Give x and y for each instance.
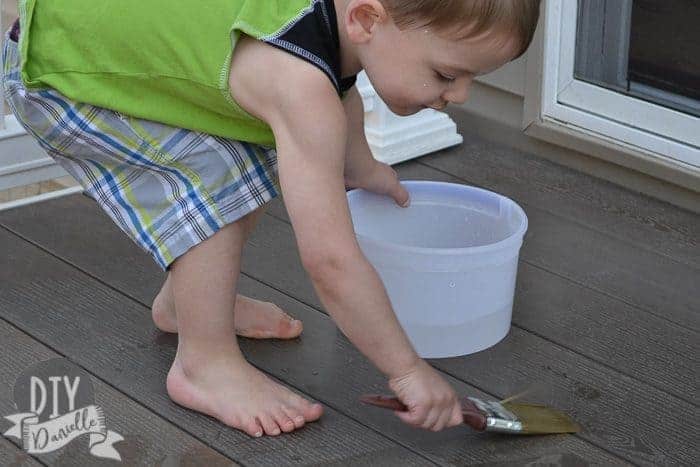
(167, 188)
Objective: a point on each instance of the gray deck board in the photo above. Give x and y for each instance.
(563, 269)
(64, 307)
(276, 266)
(573, 311)
(113, 338)
(648, 280)
(11, 455)
(601, 257)
(605, 329)
(148, 438)
(272, 257)
(601, 205)
(322, 363)
(275, 260)
(614, 409)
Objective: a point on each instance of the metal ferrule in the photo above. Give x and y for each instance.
(498, 419)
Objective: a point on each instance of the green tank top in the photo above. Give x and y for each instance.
(168, 60)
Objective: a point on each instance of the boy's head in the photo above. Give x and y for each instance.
(425, 53)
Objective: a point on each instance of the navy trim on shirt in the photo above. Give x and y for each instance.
(314, 38)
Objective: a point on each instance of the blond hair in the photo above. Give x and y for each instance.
(468, 17)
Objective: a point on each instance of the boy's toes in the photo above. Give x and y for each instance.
(290, 328)
(284, 422)
(269, 425)
(296, 417)
(311, 411)
(264, 320)
(253, 428)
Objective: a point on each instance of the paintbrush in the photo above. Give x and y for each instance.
(505, 417)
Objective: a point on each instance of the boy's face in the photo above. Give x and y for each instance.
(416, 69)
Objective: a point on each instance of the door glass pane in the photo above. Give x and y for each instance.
(649, 49)
(665, 45)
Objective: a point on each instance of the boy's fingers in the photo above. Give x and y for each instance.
(406, 417)
(395, 189)
(414, 417)
(444, 419)
(431, 420)
(457, 418)
(440, 421)
(400, 194)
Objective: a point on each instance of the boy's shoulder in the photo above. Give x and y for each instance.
(292, 60)
(308, 29)
(270, 83)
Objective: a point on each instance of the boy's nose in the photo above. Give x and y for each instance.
(458, 92)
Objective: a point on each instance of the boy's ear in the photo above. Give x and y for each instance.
(361, 17)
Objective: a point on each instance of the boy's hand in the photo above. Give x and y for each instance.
(431, 401)
(381, 179)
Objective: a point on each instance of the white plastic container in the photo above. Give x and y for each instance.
(448, 262)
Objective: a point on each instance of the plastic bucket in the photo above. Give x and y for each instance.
(448, 262)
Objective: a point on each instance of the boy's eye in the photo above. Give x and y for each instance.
(443, 77)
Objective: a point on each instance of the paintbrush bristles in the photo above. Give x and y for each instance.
(520, 395)
(537, 419)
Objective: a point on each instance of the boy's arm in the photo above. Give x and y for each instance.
(310, 128)
(358, 156)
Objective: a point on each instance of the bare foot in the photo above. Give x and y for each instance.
(236, 393)
(252, 318)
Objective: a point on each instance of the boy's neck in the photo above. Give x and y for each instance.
(349, 63)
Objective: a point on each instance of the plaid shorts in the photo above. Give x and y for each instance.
(167, 188)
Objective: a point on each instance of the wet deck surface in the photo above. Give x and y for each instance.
(605, 327)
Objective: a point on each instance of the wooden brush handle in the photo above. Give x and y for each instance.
(471, 415)
(385, 402)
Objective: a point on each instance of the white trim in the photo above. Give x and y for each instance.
(10, 127)
(41, 197)
(644, 116)
(557, 106)
(22, 160)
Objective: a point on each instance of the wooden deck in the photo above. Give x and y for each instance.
(605, 326)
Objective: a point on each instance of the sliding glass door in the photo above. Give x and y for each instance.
(649, 49)
(623, 75)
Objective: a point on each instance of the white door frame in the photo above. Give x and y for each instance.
(573, 113)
